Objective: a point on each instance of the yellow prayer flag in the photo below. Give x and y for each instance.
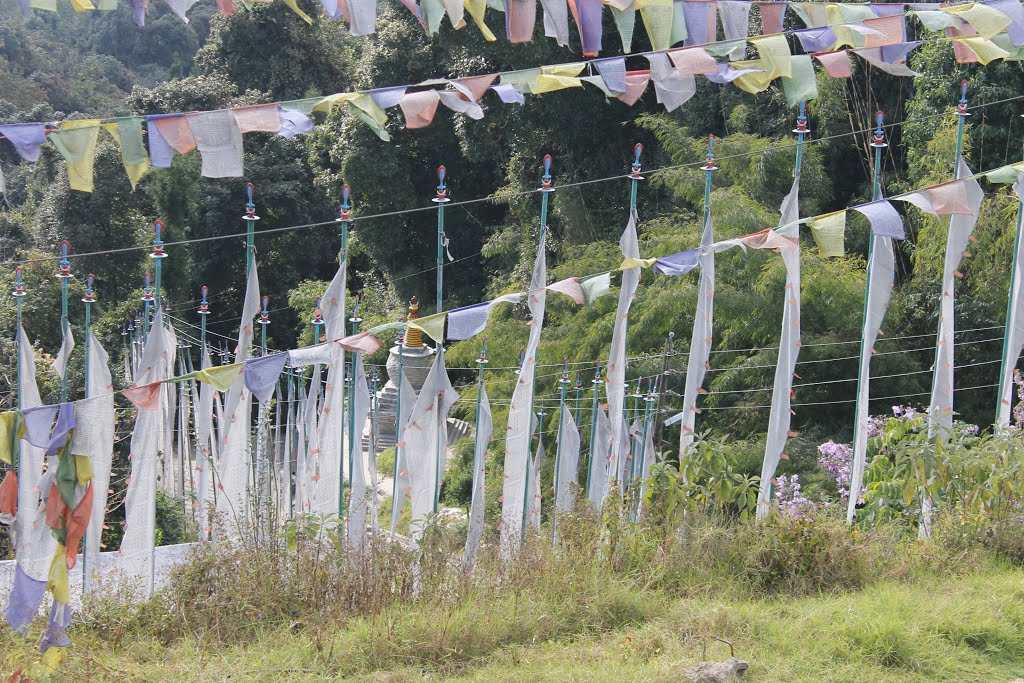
(756, 82)
(82, 5)
(220, 377)
(657, 16)
(985, 49)
(829, 232)
(987, 21)
(774, 51)
(84, 468)
(57, 581)
(548, 83)
(127, 133)
(294, 6)
(630, 262)
(477, 9)
(7, 436)
(76, 142)
(432, 325)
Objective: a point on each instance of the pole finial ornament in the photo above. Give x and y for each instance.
(19, 285)
(546, 181)
(483, 353)
(801, 120)
(147, 288)
(264, 313)
(318, 315)
(204, 305)
(565, 371)
(64, 265)
(250, 206)
(345, 210)
(709, 161)
(634, 169)
(961, 106)
(878, 139)
(597, 373)
(158, 242)
(89, 292)
(442, 186)
(355, 310)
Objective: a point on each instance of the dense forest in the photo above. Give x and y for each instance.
(97, 64)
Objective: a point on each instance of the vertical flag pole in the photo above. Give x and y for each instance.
(158, 255)
(263, 449)
(147, 299)
(250, 219)
(634, 176)
(64, 274)
(350, 380)
(88, 300)
(801, 130)
(441, 199)
(594, 406)
(546, 188)
(1004, 399)
(264, 321)
(204, 310)
(864, 374)
(630, 471)
(481, 362)
(396, 509)
(562, 407)
(344, 219)
(18, 294)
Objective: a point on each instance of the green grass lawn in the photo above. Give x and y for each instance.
(966, 628)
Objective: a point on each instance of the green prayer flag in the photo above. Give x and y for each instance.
(596, 286)
(802, 85)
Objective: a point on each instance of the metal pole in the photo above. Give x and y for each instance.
(147, 299)
(344, 218)
(596, 382)
(662, 383)
(159, 255)
(64, 274)
(864, 374)
(546, 188)
(18, 294)
(204, 310)
(477, 466)
(250, 219)
(634, 176)
(88, 299)
(441, 199)
(264, 321)
(1003, 408)
(263, 448)
(396, 509)
(350, 380)
(564, 381)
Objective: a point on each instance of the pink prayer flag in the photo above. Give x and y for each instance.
(477, 85)
(571, 288)
(693, 60)
(950, 198)
(891, 29)
(772, 15)
(226, 6)
(837, 64)
(265, 118)
(520, 16)
(177, 133)
(961, 52)
(767, 239)
(419, 108)
(146, 397)
(364, 342)
(636, 84)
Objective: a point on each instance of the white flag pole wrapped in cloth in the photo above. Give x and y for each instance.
(1014, 338)
(520, 419)
(616, 376)
(789, 348)
(98, 411)
(357, 500)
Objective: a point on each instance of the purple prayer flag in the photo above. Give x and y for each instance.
(885, 220)
(65, 423)
(293, 123)
(613, 71)
(160, 153)
(27, 138)
(590, 24)
(261, 374)
(138, 12)
(1012, 9)
(23, 603)
(727, 74)
(677, 264)
(816, 39)
(897, 54)
(38, 422)
(700, 22)
(56, 628)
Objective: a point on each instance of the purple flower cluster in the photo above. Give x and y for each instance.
(790, 501)
(837, 460)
